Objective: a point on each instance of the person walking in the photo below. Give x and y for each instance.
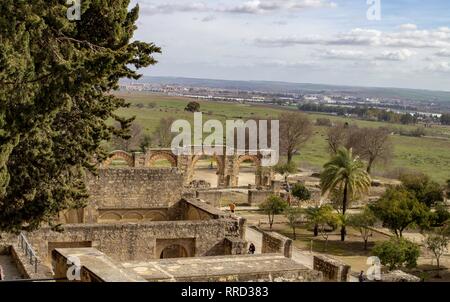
(251, 249)
(361, 277)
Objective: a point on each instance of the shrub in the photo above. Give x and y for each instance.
(324, 122)
(301, 192)
(192, 107)
(397, 253)
(272, 206)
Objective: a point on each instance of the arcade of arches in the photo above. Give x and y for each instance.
(222, 171)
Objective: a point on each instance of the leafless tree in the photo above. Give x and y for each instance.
(295, 130)
(132, 143)
(337, 137)
(372, 145)
(162, 134)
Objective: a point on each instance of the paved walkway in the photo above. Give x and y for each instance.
(9, 268)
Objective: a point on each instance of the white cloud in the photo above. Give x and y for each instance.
(408, 26)
(439, 67)
(396, 55)
(244, 7)
(443, 53)
(344, 54)
(368, 37)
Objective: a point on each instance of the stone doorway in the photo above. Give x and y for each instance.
(175, 248)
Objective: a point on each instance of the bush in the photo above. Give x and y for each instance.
(301, 192)
(274, 205)
(397, 253)
(440, 216)
(192, 107)
(426, 191)
(324, 122)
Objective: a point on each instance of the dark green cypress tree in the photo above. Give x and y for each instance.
(56, 77)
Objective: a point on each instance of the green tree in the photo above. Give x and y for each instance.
(397, 253)
(437, 244)
(192, 107)
(312, 215)
(440, 215)
(363, 222)
(293, 215)
(425, 190)
(445, 119)
(326, 218)
(274, 205)
(398, 209)
(301, 192)
(55, 82)
(285, 169)
(145, 142)
(346, 172)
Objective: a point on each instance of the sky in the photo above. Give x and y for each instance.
(405, 43)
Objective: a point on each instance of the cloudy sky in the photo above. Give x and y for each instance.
(307, 41)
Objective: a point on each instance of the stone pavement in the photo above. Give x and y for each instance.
(9, 268)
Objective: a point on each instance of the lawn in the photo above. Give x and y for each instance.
(430, 155)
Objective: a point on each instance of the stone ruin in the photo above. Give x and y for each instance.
(138, 219)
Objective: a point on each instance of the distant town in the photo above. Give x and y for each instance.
(331, 102)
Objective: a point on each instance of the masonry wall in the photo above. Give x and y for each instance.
(132, 189)
(273, 242)
(127, 242)
(135, 188)
(256, 197)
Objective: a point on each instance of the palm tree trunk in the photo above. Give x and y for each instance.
(344, 209)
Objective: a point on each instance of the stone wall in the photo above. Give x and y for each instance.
(211, 197)
(141, 194)
(332, 269)
(135, 188)
(127, 241)
(94, 267)
(273, 242)
(256, 197)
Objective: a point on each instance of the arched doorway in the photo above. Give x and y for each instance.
(173, 251)
(248, 167)
(207, 168)
(161, 160)
(118, 159)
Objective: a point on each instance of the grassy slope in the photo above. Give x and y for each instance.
(430, 155)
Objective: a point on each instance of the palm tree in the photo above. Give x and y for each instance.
(346, 172)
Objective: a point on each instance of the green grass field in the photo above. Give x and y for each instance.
(430, 155)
